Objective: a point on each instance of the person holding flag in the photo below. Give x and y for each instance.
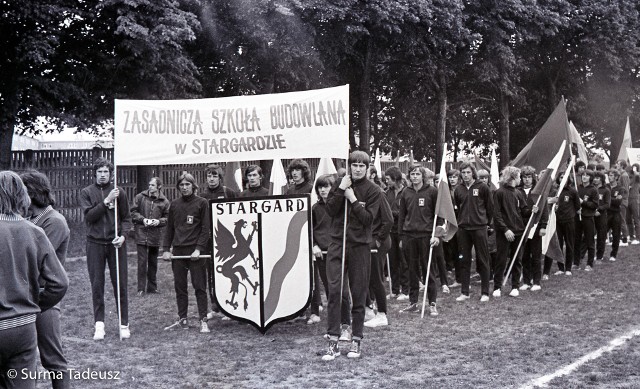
(416, 215)
(532, 251)
(352, 203)
(475, 212)
(399, 272)
(510, 211)
(567, 204)
(452, 255)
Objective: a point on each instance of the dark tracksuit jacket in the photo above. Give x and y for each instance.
(604, 201)
(532, 249)
(566, 211)
(614, 218)
(303, 188)
(257, 191)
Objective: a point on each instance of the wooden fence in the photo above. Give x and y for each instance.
(71, 170)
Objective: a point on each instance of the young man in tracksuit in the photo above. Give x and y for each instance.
(601, 215)
(614, 221)
(532, 248)
(362, 198)
(300, 173)
(452, 255)
(98, 204)
(586, 229)
(567, 206)
(188, 233)
(415, 227)
(253, 175)
(510, 212)
(399, 269)
(475, 210)
(215, 189)
(149, 216)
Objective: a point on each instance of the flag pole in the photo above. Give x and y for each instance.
(115, 185)
(426, 281)
(389, 272)
(344, 240)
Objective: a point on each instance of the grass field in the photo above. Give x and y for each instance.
(505, 343)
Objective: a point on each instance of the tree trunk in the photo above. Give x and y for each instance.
(364, 115)
(7, 124)
(441, 122)
(505, 157)
(6, 139)
(552, 95)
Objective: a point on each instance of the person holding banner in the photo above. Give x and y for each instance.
(188, 234)
(300, 173)
(532, 250)
(215, 189)
(586, 229)
(510, 211)
(475, 211)
(399, 272)
(614, 220)
(253, 175)
(98, 202)
(349, 254)
(149, 215)
(416, 216)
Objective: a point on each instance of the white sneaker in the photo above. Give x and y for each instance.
(588, 268)
(204, 327)
(612, 259)
(462, 297)
(125, 333)
(445, 289)
(313, 319)
(535, 288)
(484, 298)
(558, 273)
(497, 293)
(99, 332)
(379, 321)
(545, 277)
(402, 297)
(368, 314)
(524, 287)
(567, 273)
(635, 241)
(345, 333)
(514, 293)
(391, 296)
(455, 285)
(599, 259)
(623, 244)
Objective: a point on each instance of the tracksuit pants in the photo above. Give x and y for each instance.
(633, 218)
(601, 233)
(98, 257)
(468, 239)
(357, 268)
(399, 268)
(614, 224)
(504, 257)
(147, 268)
(532, 260)
(585, 231)
(376, 279)
(416, 250)
(50, 346)
(181, 268)
(18, 351)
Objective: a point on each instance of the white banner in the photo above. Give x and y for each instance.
(634, 155)
(308, 124)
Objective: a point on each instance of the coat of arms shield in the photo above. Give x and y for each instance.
(262, 263)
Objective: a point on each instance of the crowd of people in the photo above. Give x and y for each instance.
(391, 230)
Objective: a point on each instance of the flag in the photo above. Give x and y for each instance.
(278, 180)
(444, 204)
(377, 164)
(233, 176)
(550, 243)
(575, 138)
(326, 166)
(542, 148)
(540, 192)
(626, 142)
(494, 172)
